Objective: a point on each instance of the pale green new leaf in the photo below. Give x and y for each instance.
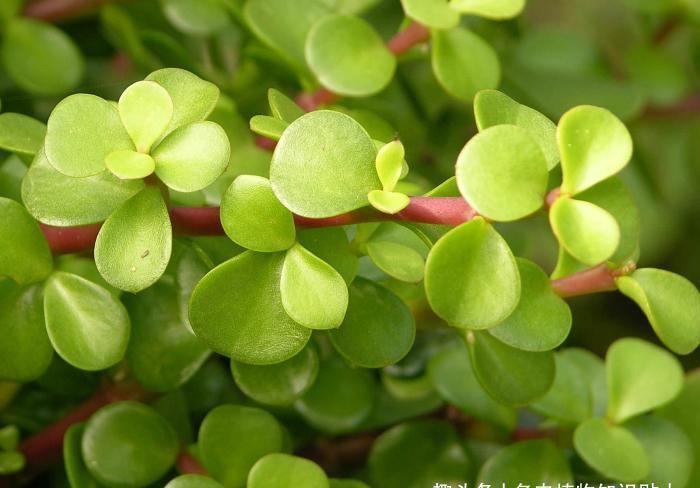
(286, 471)
(491, 9)
(145, 109)
(389, 202)
(389, 164)
(431, 13)
(129, 165)
(269, 127)
(283, 107)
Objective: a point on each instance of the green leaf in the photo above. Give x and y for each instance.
(346, 483)
(196, 17)
(145, 109)
(492, 107)
(134, 244)
(281, 383)
(569, 400)
(331, 244)
(592, 369)
(670, 302)
(163, 352)
(193, 156)
(11, 462)
(21, 134)
(641, 377)
(378, 329)
(324, 165)
(502, 173)
(389, 163)
(397, 260)
(285, 471)
(254, 218)
(594, 145)
(512, 376)
(471, 277)
(613, 196)
(129, 165)
(464, 63)
(541, 320)
(40, 58)
(193, 98)
(340, 399)
(388, 202)
(587, 232)
(416, 454)
(87, 325)
(237, 310)
(24, 254)
(668, 447)
(25, 346)
(432, 13)
(683, 412)
(284, 26)
(531, 462)
(9, 437)
(76, 471)
(56, 199)
(193, 481)
(232, 438)
(611, 450)
(81, 132)
(348, 56)
(283, 107)
(313, 293)
(490, 9)
(270, 127)
(453, 377)
(128, 444)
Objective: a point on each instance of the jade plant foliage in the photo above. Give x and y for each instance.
(349, 243)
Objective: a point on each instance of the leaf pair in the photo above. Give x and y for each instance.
(594, 145)
(156, 126)
(640, 377)
(390, 164)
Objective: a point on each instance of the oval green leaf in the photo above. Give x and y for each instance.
(537, 462)
(56, 199)
(81, 132)
(267, 126)
(24, 253)
(397, 260)
(281, 383)
(389, 202)
(464, 63)
(192, 156)
(196, 17)
(348, 56)
(129, 165)
(285, 471)
(670, 302)
(389, 164)
(502, 173)
(324, 165)
(237, 310)
(232, 438)
(378, 329)
(542, 320)
(283, 107)
(471, 277)
(134, 244)
(313, 293)
(25, 346)
(128, 444)
(492, 107)
(594, 145)
(490, 9)
(40, 58)
(431, 13)
(611, 450)
(21, 134)
(587, 232)
(87, 325)
(641, 377)
(193, 481)
(254, 218)
(512, 376)
(145, 109)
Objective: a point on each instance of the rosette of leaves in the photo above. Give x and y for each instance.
(346, 54)
(155, 133)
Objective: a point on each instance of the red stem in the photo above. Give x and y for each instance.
(53, 10)
(43, 448)
(204, 221)
(593, 280)
(186, 463)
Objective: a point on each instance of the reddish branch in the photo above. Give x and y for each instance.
(186, 463)
(54, 10)
(44, 448)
